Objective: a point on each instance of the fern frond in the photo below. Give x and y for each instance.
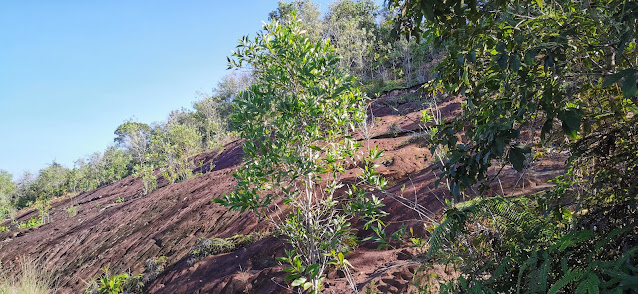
(529, 263)
(570, 277)
(452, 225)
(589, 285)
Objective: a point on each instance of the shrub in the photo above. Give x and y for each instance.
(123, 283)
(154, 267)
(72, 210)
(33, 222)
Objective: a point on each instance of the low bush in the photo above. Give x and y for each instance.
(154, 267)
(108, 283)
(72, 210)
(33, 222)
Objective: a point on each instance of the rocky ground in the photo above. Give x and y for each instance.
(122, 235)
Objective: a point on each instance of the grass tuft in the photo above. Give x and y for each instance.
(33, 278)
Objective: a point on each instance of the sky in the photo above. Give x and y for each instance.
(72, 71)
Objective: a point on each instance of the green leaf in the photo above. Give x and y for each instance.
(547, 127)
(629, 88)
(570, 119)
(565, 280)
(307, 285)
(589, 285)
(573, 238)
(530, 56)
(312, 269)
(313, 147)
(629, 283)
(298, 282)
(617, 76)
(517, 156)
(515, 63)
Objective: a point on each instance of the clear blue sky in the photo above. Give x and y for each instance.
(72, 71)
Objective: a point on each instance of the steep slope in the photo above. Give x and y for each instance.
(408, 166)
(123, 235)
(169, 221)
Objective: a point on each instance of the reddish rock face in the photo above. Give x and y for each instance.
(169, 221)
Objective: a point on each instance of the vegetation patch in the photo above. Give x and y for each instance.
(207, 247)
(126, 283)
(30, 277)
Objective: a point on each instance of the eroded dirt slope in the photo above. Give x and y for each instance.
(169, 221)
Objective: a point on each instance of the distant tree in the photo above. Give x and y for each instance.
(25, 189)
(173, 145)
(134, 137)
(231, 84)
(212, 119)
(351, 27)
(306, 11)
(50, 182)
(7, 186)
(7, 190)
(115, 164)
(182, 116)
(212, 111)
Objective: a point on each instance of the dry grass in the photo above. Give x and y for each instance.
(32, 278)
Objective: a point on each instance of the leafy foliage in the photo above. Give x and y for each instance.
(122, 283)
(530, 74)
(524, 67)
(297, 119)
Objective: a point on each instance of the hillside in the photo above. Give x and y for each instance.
(117, 227)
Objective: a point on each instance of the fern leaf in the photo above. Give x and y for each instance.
(589, 285)
(570, 277)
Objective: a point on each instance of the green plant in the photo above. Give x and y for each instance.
(33, 222)
(372, 288)
(72, 210)
(297, 119)
(43, 207)
(153, 268)
(4, 228)
(149, 180)
(541, 69)
(206, 247)
(120, 283)
(394, 129)
(119, 200)
(31, 277)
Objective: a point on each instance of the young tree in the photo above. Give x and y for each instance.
(297, 119)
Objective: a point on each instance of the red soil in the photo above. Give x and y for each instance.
(169, 221)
